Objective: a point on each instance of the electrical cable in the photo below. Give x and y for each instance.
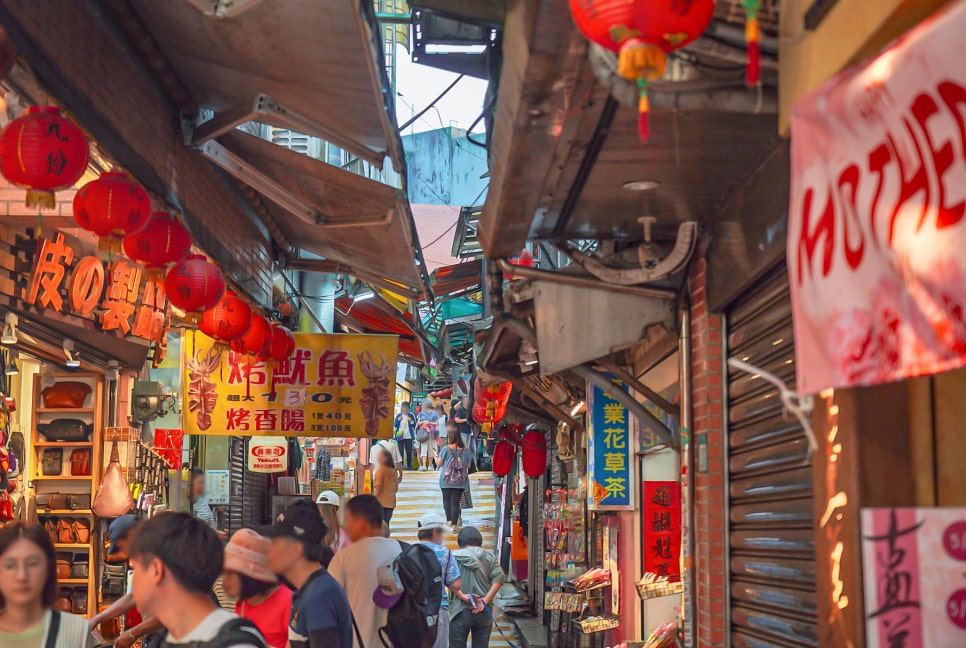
(432, 104)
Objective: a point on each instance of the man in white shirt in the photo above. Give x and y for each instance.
(355, 567)
(390, 446)
(176, 559)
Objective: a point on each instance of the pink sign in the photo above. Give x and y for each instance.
(877, 235)
(914, 567)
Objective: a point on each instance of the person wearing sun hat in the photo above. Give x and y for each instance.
(432, 531)
(329, 503)
(247, 578)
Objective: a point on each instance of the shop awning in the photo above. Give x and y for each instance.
(363, 224)
(366, 316)
(317, 65)
(458, 279)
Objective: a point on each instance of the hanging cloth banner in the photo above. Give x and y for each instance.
(876, 219)
(331, 386)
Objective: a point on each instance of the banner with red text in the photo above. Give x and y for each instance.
(877, 235)
(661, 518)
(331, 386)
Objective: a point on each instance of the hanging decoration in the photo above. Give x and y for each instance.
(195, 285)
(227, 321)
(503, 456)
(43, 152)
(162, 242)
(283, 343)
(534, 453)
(113, 206)
(257, 340)
(642, 32)
(753, 40)
(489, 406)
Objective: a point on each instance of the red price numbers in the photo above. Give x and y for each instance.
(954, 540)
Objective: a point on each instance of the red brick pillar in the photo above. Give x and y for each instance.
(708, 432)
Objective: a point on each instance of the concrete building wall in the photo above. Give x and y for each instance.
(444, 168)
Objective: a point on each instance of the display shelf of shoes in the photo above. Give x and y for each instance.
(66, 483)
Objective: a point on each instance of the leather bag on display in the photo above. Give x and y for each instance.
(70, 430)
(113, 498)
(52, 461)
(69, 394)
(80, 462)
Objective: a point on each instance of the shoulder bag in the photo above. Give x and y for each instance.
(113, 498)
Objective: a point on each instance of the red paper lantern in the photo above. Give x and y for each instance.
(503, 456)
(256, 340)
(162, 242)
(534, 453)
(113, 206)
(642, 32)
(489, 406)
(43, 152)
(195, 285)
(227, 321)
(283, 343)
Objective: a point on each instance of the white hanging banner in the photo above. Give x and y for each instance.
(877, 235)
(267, 454)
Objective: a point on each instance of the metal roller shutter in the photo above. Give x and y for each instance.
(772, 560)
(248, 502)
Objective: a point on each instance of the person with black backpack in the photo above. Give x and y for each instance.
(432, 530)
(176, 559)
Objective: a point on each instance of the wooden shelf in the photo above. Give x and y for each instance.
(62, 444)
(75, 545)
(64, 410)
(64, 512)
(62, 478)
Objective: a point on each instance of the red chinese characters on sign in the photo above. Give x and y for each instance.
(336, 369)
(662, 529)
(119, 298)
(876, 216)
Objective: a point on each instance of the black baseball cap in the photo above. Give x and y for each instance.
(300, 520)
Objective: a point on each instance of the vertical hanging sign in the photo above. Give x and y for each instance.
(661, 518)
(609, 467)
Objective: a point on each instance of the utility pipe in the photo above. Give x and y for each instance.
(583, 282)
(628, 401)
(688, 457)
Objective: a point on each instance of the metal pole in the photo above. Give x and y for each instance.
(304, 303)
(583, 282)
(687, 457)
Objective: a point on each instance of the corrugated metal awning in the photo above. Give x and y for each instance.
(458, 279)
(366, 316)
(363, 224)
(319, 62)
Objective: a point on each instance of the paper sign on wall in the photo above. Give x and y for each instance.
(267, 454)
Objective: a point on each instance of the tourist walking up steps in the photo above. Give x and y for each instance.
(426, 429)
(404, 431)
(432, 531)
(481, 577)
(385, 484)
(454, 479)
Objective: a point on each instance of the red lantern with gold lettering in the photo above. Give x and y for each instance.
(489, 403)
(113, 206)
(43, 152)
(195, 285)
(227, 321)
(642, 32)
(257, 340)
(283, 343)
(162, 242)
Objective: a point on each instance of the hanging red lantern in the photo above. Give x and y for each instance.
(642, 32)
(43, 152)
(503, 456)
(227, 321)
(195, 285)
(256, 340)
(489, 403)
(113, 206)
(162, 242)
(283, 343)
(534, 453)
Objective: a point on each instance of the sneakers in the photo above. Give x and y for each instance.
(422, 469)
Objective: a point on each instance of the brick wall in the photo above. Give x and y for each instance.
(85, 63)
(709, 499)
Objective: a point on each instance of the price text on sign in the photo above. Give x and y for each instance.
(876, 226)
(331, 386)
(914, 568)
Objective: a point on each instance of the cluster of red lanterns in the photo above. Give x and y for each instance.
(442, 393)
(489, 403)
(534, 453)
(44, 152)
(642, 32)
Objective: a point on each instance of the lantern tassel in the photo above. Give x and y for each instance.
(643, 107)
(155, 274)
(41, 199)
(192, 318)
(753, 41)
(109, 245)
(641, 62)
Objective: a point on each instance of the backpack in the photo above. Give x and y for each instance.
(454, 473)
(236, 631)
(414, 620)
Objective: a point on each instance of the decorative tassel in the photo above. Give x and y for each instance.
(192, 319)
(642, 62)
(643, 107)
(110, 245)
(753, 40)
(42, 199)
(154, 274)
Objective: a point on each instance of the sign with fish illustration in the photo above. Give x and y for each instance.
(331, 386)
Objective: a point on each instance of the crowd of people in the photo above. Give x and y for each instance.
(306, 581)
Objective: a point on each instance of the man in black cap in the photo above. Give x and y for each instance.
(320, 610)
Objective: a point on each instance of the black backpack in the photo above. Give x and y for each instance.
(414, 619)
(236, 631)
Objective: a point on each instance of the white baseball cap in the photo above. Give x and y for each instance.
(430, 521)
(328, 497)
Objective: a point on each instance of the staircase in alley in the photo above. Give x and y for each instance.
(419, 494)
